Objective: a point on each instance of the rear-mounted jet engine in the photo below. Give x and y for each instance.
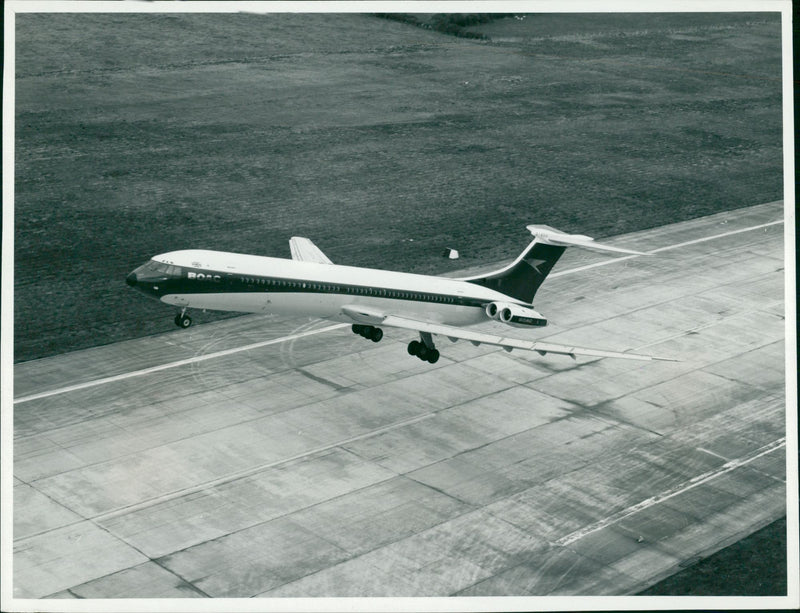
(515, 315)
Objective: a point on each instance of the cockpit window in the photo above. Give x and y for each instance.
(153, 269)
(165, 269)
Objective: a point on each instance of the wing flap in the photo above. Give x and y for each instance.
(367, 315)
(306, 251)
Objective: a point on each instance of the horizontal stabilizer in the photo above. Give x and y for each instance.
(305, 251)
(551, 236)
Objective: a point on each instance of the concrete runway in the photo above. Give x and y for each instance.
(272, 457)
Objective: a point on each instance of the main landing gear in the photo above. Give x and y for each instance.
(425, 350)
(182, 320)
(371, 332)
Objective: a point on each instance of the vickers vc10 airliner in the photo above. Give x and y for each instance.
(311, 285)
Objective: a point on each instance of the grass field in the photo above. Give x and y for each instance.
(139, 134)
(754, 566)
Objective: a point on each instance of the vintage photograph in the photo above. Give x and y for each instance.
(330, 304)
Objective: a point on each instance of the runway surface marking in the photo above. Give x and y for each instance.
(667, 248)
(218, 354)
(192, 360)
(683, 487)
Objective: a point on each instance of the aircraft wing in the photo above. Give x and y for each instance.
(306, 251)
(370, 316)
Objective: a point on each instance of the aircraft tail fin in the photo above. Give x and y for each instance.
(522, 278)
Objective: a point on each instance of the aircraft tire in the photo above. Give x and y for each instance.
(413, 348)
(183, 321)
(357, 329)
(423, 352)
(375, 335)
(433, 356)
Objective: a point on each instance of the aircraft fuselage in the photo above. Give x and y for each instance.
(310, 284)
(222, 281)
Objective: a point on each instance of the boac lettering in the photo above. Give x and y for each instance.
(203, 277)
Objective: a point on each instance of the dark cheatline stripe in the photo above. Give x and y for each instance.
(195, 281)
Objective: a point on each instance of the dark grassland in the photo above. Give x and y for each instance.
(755, 566)
(139, 134)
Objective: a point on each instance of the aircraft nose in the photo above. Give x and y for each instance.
(131, 279)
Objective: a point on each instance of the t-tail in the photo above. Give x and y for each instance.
(522, 278)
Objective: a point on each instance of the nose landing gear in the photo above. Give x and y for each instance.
(371, 332)
(182, 320)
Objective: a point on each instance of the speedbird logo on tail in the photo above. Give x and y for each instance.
(535, 265)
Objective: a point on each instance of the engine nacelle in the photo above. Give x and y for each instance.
(515, 315)
(493, 309)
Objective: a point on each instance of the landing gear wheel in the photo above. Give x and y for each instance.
(371, 332)
(183, 321)
(423, 352)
